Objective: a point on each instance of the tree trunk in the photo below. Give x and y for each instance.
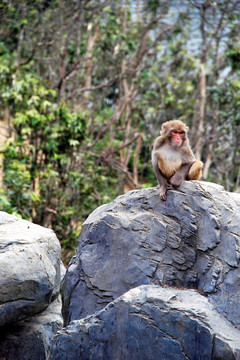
(92, 38)
(200, 127)
(136, 157)
(4, 134)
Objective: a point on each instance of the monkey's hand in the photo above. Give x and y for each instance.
(163, 191)
(176, 180)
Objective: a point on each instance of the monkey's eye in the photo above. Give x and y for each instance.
(174, 131)
(181, 132)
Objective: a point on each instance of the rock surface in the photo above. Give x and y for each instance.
(192, 240)
(29, 268)
(30, 311)
(150, 322)
(30, 339)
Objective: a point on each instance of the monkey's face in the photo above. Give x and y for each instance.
(175, 131)
(177, 137)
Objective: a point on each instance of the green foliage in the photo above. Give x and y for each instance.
(233, 54)
(41, 157)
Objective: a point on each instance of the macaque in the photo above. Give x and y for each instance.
(172, 158)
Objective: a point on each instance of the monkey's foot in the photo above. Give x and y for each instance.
(163, 191)
(176, 180)
(163, 196)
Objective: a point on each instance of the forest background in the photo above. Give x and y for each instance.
(85, 86)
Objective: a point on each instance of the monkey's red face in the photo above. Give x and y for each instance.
(177, 137)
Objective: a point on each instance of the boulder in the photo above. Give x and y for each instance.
(150, 322)
(30, 307)
(192, 240)
(30, 339)
(29, 269)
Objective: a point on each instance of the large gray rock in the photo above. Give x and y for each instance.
(30, 339)
(29, 268)
(30, 307)
(150, 323)
(192, 240)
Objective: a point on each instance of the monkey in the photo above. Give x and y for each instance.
(172, 157)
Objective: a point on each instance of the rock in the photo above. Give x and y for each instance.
(30, 339)
(29, 269)
(192, 240)
(150, 322)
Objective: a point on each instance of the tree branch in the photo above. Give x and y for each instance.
(119, 109)
(24, 62)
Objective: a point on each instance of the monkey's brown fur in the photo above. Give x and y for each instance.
(195, 171)
(173, 162)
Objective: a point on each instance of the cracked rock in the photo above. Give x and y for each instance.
(192, 240)
(29, 268)
(30, 305)
(150, 322)
(30, 339)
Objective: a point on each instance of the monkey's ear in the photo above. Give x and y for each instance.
(165, 128)
(164, 125)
